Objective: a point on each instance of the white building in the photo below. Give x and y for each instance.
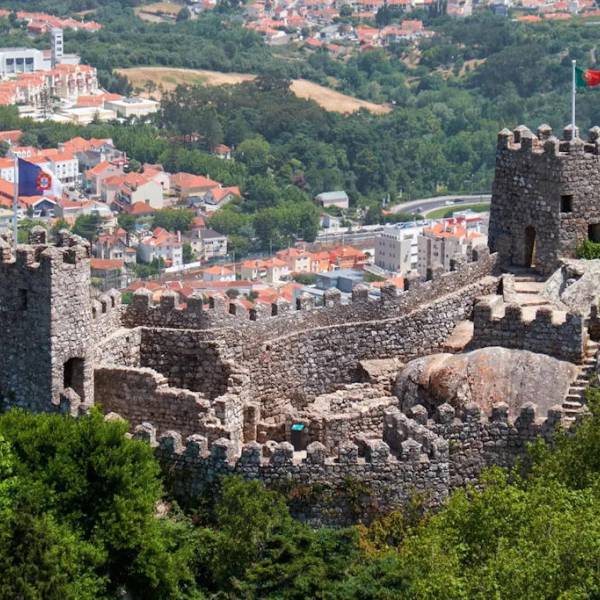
(7, 169)
(339, 199)
(132, 107)
(21, 60)
(161, 244)
(396, 247)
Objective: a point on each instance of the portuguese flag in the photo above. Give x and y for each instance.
(586, 78)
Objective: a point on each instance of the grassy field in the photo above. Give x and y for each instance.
(448, 211)
(169, 78)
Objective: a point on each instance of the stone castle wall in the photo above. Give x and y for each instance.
(559, 334)
(301, 365)
(420, 455)
(279, 319)
(545, 196)
(139, 395)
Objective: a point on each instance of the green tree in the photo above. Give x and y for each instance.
(255, 153)
(87, 226)
(87, 477)
(128, 223)
(173, 219)
(188, 253)
(183, 15)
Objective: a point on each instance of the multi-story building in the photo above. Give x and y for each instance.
(396, 248)
(21, 60)
(214, 244)
(298, 261)
(440, 243)
(161, 244)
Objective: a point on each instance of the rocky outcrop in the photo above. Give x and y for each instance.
(485, 377)
(575, 286)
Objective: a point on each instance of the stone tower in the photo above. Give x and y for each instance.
(46, 326)
(545, 197)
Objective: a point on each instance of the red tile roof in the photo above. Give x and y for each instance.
(100, 264)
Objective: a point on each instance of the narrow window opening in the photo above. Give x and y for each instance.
(566, 203)
(594, 232)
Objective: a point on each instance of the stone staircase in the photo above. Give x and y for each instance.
(574, 403)
(528, 287)
(527, 292)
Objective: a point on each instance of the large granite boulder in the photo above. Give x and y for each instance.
(485, 377)
(575, 286)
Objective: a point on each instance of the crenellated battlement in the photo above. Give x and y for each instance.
(544, 330)
(416, 454)
(69, 249)
(543, 142)
(305, 312)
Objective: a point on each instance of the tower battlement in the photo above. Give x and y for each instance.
(545, 196)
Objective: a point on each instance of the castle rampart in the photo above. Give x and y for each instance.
(547, 331)
(421, 455)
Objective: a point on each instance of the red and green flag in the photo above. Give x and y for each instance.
(586, 78)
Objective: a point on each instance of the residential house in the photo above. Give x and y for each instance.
(219, 197)
(218, 273)
(222, 151)
(319, 262)
(7, 169)
(159, 175)
(253, 269)
(140, 209)
(70, 210)
(298, 261)
(347, 257)
(115, 247)
(126, 190)
(214, 244)
(39, 207)
(11, 136)
(93, 178)
(108, 274)
(94, 151)
(442, 242)
(158, 244)
(277, 270)
(186, 185)
(272, 270)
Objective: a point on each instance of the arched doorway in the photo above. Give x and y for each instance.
(530, 246)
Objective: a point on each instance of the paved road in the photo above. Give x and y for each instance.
(421, 206)
(426, 204)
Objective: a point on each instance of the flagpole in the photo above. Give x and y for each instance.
(16, 203)
(573, 86)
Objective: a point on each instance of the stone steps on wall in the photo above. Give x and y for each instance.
(574, 403)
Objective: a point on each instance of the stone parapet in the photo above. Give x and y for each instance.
(552, 332)
(221, 313)
(415, 455)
